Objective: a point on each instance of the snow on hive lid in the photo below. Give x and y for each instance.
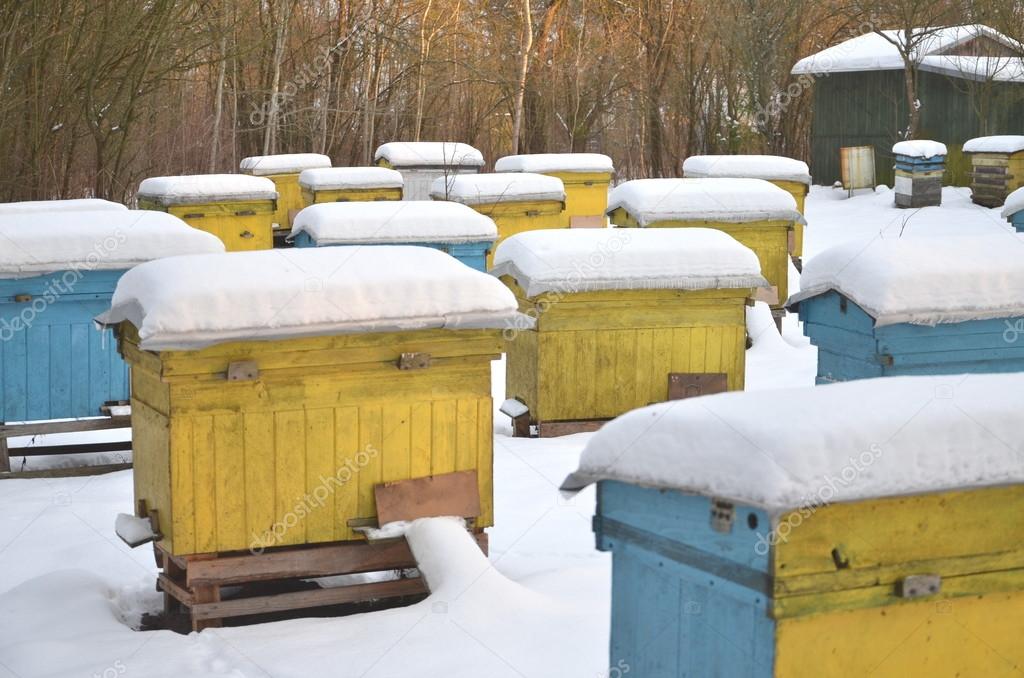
(794, 448)
(768, 167)
(288, 163)
(556, 162)
(429, 154)
(1014, 203)
(343, 178)
(191, 302)
(580, 260)
(488, 189)
(729, 200)
(920, 148)
(394, 221)
(44, 242)
(75, 205)
(205, 188)
(923, 281)
(1006, 143)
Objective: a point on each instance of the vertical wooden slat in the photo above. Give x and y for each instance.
(443, 433)
(204, 497)
(346, 462)
(260, 483)
(396, 424)
(466, 434)
(183, 506)
(421, 437)
(37, 382)
(60, 367)
(320, 470)
(370, 437)
(290, 474)
(229, 471)
(485, 460)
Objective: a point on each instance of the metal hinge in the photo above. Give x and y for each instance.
(722, 514)
(414, 361)
(244, 370)
(919, 586)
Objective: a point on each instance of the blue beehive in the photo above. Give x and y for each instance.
(1013, 210)
(58, 270)
(914, 306)
(920, 167)
(451, 227)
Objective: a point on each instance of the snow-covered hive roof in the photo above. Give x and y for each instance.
(73, 205)
(287, 163)
(191, 302)
(726, 200)
(429, 154)
(580, 260)
(923, 281)
(873, 52)
(45, 242)
(920, 148)
(394, 221)
(779, 449)
(504, 187)
(768, 167)
(1004, 143)
(1014, 203)
(344, 178)
(205, 188)
(567, 163)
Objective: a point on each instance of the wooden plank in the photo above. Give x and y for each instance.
(78, 448)
(75, 472)
(179, 593)
(555, 429)
(452, 494)
(73, 426)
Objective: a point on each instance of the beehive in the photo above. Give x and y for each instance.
(284, 171)
(792, 176)
(997, 168)
(517, 202)
(423, 162)
(73, 205)
(920, 167)
(623, 318)
(908, 306)
(586, 177)
(1013, 210)
(860, 541)
(236, 208)
(453, 228)
(753, 211)
(369, 361)
(350, 184)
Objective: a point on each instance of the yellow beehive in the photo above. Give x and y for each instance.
(623, 318)
(236, 208)
(586, 177)
(517, 202)
(272, 423)
(997, 168)
(755, 212)
(792, 176)
(423, 162)
(284, 171)
(350, 184)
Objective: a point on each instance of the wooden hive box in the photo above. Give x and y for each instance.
(350, 184)
(792, 176)
(899, 308)
(753, 211)
(238, 437)
(516, 201)
(237, 208)
(284, 171)
(585, 176)
(920, 168)
(423, 162)
(622, 319)
(453, 228)
(740, 550)
(1013, 210)
(997, 168)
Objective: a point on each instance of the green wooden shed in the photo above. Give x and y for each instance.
(970, 83)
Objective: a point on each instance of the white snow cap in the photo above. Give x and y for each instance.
(191, 302)
(1005, 143)
(580, 260)
(45, 242)
(923, 281)
(980, 69)
(555, 162)
(787, 449)
(203, 188)
(75, 205)
(768, 167)
(394, 221)
(341, 178)
(1014, 203)
(487, 189)
(429, 154)
(730, 200)
(920, 148)
(287, 163)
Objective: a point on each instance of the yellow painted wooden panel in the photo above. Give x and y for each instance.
(151, 469)
(799, 192)
(289, 197)
(240, 225)
(518, 217)
(310, 197)
(586, 193)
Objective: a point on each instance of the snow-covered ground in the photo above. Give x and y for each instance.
(70, 591)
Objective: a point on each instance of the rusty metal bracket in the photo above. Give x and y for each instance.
(919, 586)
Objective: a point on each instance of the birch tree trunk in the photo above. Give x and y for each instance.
(524, 69)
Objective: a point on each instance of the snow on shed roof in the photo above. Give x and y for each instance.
(340, 178)
(74, 205)
(394, 221)
(729, 200)
(923, 281)
(781, 450)
(580, 260)
(503, 187)
(997, 69)
(555, 162)
(429, 154)
(287, 163)
(768, 167)
(203, 188)
(1005, 143)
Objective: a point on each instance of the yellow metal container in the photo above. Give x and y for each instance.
(350, 184)
(284, 171)
(586, 177)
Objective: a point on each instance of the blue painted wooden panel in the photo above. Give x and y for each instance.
(1018, 221)
(914, 165)
(54, 363)
(686, 600)
(472, 254)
